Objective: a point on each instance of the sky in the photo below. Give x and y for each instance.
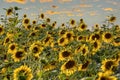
(92, 11)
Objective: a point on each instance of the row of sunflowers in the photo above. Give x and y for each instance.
(39, 50)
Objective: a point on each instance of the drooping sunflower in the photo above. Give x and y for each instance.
(105, 76)
(62, 32)
(82, 27)
(12, 48)
(19, 55)
(47, 41)
(22, 73)
(42, 16)
(1, 30)
(78, 49)
(109, 64)
(116, 41)
(9, 11)
(62, 41)
(50, 66)
(84, 66)
(95, 46)
(112, 19)
(107, 37)
(84, 50)
(69, 67)
(26, 21)
(48, 20)
(65, 54)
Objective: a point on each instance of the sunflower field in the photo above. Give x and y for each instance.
(40, 50)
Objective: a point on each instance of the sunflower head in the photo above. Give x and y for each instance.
(82, 27)
(64, 54)
(18, 55)
(107, 37)
(42, 16)
(9, 11)
(112, 19)
(26, 21)
(62, 41)
(72, 22)
(1, 30)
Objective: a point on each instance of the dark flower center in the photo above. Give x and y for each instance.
(70, 64)
(97, 36)
(19, 54)
(95, 45)
(83, 26)
(108, 64)
(108, 35)
(7, 40)
(69, 35)
(65, 54)
(83, 50)
(85, 65)
(35, 50)
(12, 47)
(72, 22)
(1, 29)
(80, 37)
(26, 21)
(62, 40)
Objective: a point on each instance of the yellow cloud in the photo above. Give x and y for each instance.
(93, 13)
(85, 5)
(108, 9)
(49, 12)
(17, 1)
(62, 1)
(32, 0)
(43, 1)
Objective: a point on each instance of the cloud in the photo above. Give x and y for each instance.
(63, 1)
(93, 13)
(108, 9)
(80, 14)
(85, 5)
(17, 1)
(32, 0)
(43, 1)
(49, 12)
(54, 6)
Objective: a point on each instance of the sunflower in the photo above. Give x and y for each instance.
(116, 41)
(78, 49)
(95, 46)
(42, 16)
(62, 41)
(65, 54)
(18, 55)
(94, 37)
(54, 24)
(47, 41)
(12, 48)
(84, 66)
(42, 25)
(26, 21)
(7, 41)
(48, 20)
(36, 49)
(82, 27)
(24, 16)
(62, 32)
(69, 67)
(52, 65)
(69, 35)
(34, 22)
(22, 73)
(96, 27)
(105, 76)
(107, 37)
(84, 50)
(112, 19)
(9, 11)
(1, 30)
(72, 22)
(109, 64)
(81, 38)
(28, 27)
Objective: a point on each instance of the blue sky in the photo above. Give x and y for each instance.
(92, 11)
